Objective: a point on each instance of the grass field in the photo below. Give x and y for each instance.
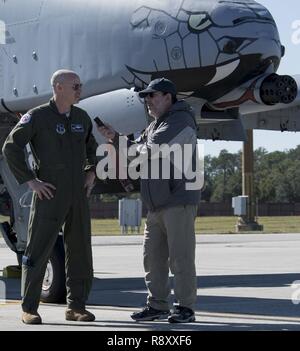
(210, 225)
(207, 225)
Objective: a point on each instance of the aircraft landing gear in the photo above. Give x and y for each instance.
(53, 288)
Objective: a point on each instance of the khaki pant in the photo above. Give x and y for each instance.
(169, 242)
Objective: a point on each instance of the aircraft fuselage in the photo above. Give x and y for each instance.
(206, 47)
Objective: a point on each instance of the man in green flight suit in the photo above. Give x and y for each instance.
(65, 152)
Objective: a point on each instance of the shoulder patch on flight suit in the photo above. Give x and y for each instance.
(25, 118)
(60, 128)
(77, 128)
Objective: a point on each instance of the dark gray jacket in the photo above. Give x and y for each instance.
(176, 127)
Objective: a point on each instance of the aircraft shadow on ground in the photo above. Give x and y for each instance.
(131, 292)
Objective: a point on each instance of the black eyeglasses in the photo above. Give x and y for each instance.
(77, 86)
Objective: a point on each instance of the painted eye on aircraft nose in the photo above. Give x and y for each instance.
(199, 22)
(232, 45)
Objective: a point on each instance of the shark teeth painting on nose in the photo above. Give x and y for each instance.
(224, 71)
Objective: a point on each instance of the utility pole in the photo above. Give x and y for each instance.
(248, 222)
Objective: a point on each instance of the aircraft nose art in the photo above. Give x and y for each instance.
(204, 42)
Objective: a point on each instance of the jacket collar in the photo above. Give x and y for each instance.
(53, 107)
(179, 105)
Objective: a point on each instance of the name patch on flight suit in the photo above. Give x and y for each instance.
(77, 128)
(25, 118)
(60, 128)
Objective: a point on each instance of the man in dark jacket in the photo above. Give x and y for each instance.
(169, 241)
(65, 152)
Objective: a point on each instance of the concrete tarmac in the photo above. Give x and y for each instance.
(246, 282)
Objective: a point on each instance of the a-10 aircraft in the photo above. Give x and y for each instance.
(222, 54)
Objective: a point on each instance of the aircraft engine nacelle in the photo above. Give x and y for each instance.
(122, 109)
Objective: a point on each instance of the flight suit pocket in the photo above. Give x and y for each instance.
(80, 146)
(79, 138)
(47, 210)
(49, 142)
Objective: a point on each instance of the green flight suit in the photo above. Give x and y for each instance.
(64, 149)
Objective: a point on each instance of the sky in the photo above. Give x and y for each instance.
(287, 17)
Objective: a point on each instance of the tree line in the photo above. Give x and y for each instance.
(276, 176)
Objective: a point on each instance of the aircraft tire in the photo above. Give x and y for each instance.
(54, 289)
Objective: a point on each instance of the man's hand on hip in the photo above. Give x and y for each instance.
(108, 132)
(89, 182)
(42, 189)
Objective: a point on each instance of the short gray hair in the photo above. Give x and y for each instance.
(60, 76)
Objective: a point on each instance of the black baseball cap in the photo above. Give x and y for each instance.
(160, 84)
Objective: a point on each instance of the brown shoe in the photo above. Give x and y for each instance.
(31, 318)
(80, 316)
